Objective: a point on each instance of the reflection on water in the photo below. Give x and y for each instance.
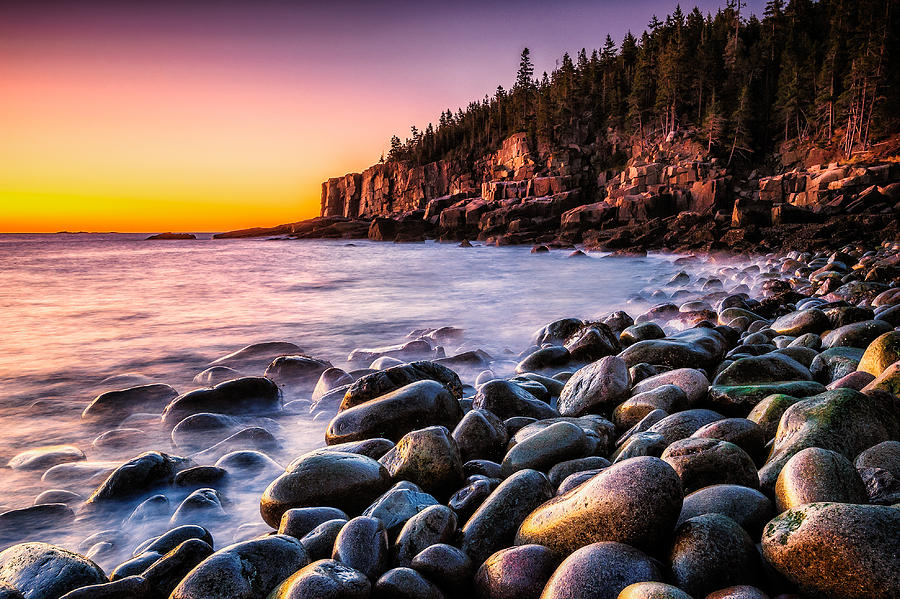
(76, 309)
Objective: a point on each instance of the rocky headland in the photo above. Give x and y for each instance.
(740, 439)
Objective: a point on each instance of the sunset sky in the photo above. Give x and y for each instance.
(208, 116)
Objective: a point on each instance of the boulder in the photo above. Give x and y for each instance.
(596, 388)
(601, 571)
(119, 404)
(815, 474)
(240, 396)
(382, 382)
(42, 571)
(324, 579)
(428, 457)
(519, 572)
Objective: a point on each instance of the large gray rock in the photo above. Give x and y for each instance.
(428, 457)
(112, 405)
(42, 571)
(598, 387)
(377, 384)
(507, 399)
(601, 571)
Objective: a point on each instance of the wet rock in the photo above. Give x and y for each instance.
(881, 353)
(516, 573)
(835, 363)
(214, 375)
(138, 476)
(739, 400)
(411, 350)
(595, 388)
(816, 474)
(857, 334)
(768, 368)
(164, 575)
(888, 380)
(391, 416)
(558, 442)
(800, 322)
(362, 545)
(250, 438)
(635, 501)
(563, 470)
(447, 566)
(468, 499)
(324, 579)
(592, 343)
(837, 549)
(133, 587)
(201, 506)
(493, 526)
(741, 591)
(296, 372)
(203, 430)
(701, 462)
(119, 404)
(429, 458)
(703, 347)
(120, 438)
(841, 420)
(43, 458)
(58, 496)
(345, 481)
(885, 455)
(201, 476)
(371, 448)
(545, 359)
(34, 520)
(319, 542)
(652, 590)
(640, 332)
(480, 434)
(639, 444)
(507, 399)
(249, 464)
(330, 379)
(247, 570)
(712, 551)
(557, 331)
(402, 502)
(240, 396)
(767, 413)
(42, 571)
(298, 522)
(601, 571)
(257, 356)
(150, 509)
(669, 398)
(434, 524)
(405, 583)
(683, 424)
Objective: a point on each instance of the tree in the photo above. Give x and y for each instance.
(526, 70)
(396, 151)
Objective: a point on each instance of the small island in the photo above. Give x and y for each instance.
(171, 236)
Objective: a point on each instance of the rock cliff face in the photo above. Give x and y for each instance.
(669, 194)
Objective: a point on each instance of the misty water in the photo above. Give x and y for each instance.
(76, 310)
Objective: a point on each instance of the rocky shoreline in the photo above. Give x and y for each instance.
(740, 439)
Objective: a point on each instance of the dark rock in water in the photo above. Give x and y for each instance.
(257, 356)
(427, 457)
(507, 399)
(558, 442)
(165, 574)
(469, 498)
(58, 496)
(175, 537)
(199, 431)
(138, 476)
(516, 573)
(400, 503)
(434, 524)
(550, 358)
(324, 579)
(249, 464)
(417, 349)
(119, 404)
(701, 462)
(34, 520)
(157, 506)
(346, 481)
(835, 363)
(739, 400)
(445, 565)
(748, 507)
(636, 501)
(841, 420)
(557, 331)
(474, 359)
(837, 549)
(382, 382)
(540, 249)
(596, 388)
(319, 542)
(296, 372)
(121, 438)
(601, 571)
(363, 545)
(372, 448)
(214, 375)
(43, 458)
(135, 566)
(132, 587)
(250, 438)
(201, 506)
(653, 590)
(330, 379)
(480, 434)
(563, 470)
(42, 571)
(240, 396)
(815, 474)
(698, 347)
(592, 343)
(800, 322)
(298, 522)
(493, 526)
(171, 236)
(644, 331)
(768, 368)
(710, 552)
(412, 407)
(405, 583)
(248, 570)
(201, 476)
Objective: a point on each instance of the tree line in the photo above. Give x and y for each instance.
(820, 72)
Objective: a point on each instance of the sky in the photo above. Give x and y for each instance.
(216, 115)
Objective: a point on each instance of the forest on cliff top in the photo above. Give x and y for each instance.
(817, 72)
